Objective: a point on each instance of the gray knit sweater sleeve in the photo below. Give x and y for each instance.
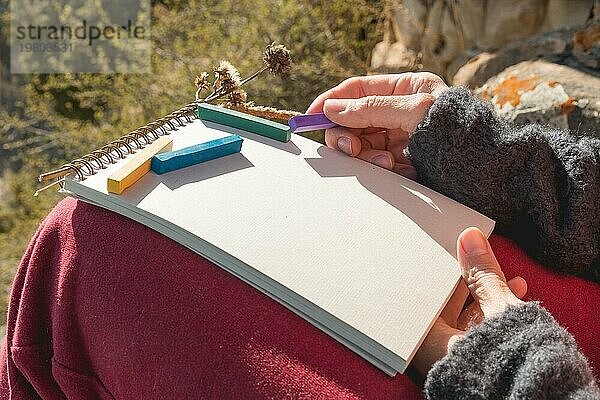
(542, 186)
(521, 354)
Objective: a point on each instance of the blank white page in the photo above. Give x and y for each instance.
(370, 247)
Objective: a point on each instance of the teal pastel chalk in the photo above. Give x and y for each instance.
(172, 160)
(246, 122)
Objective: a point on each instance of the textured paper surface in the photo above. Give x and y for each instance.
(372, 249)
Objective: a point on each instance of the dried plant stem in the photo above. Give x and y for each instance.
(214, 96)
(198, 94)
(266, 112)
(51, 185)
(254, 75)
(53, 174)
(220, 93)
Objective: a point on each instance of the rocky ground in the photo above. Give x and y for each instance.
(535, 60)
(551, 78)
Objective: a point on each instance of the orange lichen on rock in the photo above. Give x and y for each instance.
(587, 38)
(567, 106)
(511, 89)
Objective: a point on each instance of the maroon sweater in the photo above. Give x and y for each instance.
(103, 307)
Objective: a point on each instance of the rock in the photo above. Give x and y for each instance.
(472, 74)
(441, 43)
(483, 66)
(566, 13)
(586, 45)
(442, 33)
(548, 93)
(392, 57)
(408, 22)
(471, 16)
(453, 67)
(509, 20)
(530, 100)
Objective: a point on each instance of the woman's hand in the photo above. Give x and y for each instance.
(484, 280)
(377, 114)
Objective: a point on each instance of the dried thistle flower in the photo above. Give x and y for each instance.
(277, 58)
(201, 81)
(227, 77)
(238, 97)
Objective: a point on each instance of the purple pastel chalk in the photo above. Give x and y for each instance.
(310, 122)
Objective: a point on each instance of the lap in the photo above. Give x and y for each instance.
(148, 318)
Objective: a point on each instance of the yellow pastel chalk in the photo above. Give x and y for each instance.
(137, 166)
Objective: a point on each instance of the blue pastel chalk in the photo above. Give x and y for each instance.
(310, 122)
(172, 160)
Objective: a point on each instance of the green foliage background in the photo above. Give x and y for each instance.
(46, 120)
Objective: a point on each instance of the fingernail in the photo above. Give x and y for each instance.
(473, 242)
(382, 161)
(334, 106)
(345, 145)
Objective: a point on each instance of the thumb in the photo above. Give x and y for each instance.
(472, 313)
(390, 112)
(482, 273)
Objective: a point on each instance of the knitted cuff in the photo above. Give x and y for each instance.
(521, 353)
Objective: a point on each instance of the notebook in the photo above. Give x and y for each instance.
(363, 254)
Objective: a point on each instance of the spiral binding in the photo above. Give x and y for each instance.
(120, 148)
